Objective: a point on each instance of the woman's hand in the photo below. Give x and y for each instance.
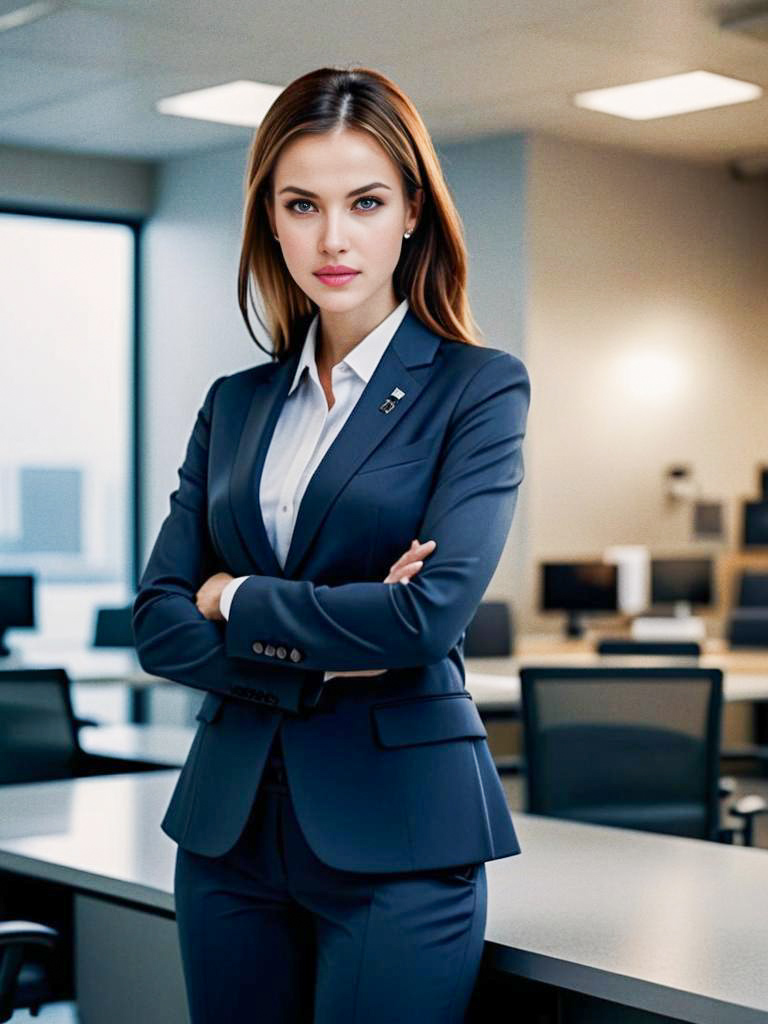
(408, 564)
(207, 597)
(400, 571)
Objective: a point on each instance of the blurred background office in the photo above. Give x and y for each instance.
(610, 164)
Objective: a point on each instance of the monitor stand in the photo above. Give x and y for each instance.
(575, 624)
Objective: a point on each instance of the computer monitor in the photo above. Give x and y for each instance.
(17, 605)
(682, 582)
(755, 525)
(578, 587)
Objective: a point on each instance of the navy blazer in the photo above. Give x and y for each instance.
(390, 772)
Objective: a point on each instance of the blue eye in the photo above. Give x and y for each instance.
(369, 209)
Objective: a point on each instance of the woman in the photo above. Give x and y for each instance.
(339, 799)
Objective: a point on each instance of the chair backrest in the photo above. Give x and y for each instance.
(671, 648)
(38, 733)
(630, 747)
(753, 590)
(114, 628)
(489, 634)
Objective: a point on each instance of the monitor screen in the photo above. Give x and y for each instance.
(17, 601)
(579, 586)
(681, 579)
(755, 523)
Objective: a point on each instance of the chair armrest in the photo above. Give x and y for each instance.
(27, 932)
(747, 808)
(726, 786)
(80, 722)
(15, 936)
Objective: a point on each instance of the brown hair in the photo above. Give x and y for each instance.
(432, 270)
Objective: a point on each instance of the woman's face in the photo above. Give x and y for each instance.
(332, 227)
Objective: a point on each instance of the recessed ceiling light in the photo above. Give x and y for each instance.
(27, 14)
(241, 102)
(663, 97)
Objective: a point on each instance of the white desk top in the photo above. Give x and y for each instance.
(673, 925)
(161, 744)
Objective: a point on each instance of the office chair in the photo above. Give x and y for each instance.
(113, 627)
(24, 985)
(747, 627)
(490, 633)
(753, 590)
(39, 732)
(629, 747)
(668, 648)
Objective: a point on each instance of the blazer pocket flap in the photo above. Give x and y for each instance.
(450, 716)
(210, 708)
(398, 454)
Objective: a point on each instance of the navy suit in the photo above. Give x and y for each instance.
(388, 773)
(399, 775)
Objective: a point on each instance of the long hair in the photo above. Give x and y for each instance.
(432, 270)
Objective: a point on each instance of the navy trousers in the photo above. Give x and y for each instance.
(269, 934)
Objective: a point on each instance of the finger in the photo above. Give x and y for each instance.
(426, 548)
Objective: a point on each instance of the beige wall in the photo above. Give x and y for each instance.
(633, 258)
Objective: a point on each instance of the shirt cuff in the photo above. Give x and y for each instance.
(225, 599)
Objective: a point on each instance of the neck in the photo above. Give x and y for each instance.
(338, 333)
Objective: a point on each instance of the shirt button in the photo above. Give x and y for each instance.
(285, 508)
(281, 652)
(295, 655)
(257, 648)
(270, 650)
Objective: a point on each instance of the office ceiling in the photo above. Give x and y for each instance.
(84, 78)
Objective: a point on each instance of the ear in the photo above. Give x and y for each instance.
(415, 207)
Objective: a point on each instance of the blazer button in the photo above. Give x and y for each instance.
(270, 650)
(281, 652)
(257, 648)
(296, 654)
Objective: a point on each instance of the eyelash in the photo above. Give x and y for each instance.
(290, 206)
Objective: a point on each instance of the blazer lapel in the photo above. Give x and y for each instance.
(266, 402)
(413, 345)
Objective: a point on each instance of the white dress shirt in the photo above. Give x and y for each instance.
(306, 429)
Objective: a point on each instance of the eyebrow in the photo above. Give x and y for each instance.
(354, 192)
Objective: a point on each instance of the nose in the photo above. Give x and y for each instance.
(332, 235)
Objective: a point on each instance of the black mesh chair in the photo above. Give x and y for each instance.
(666, 648)
(489, 634)
(629, 747)
(39, 732)
(113, 627)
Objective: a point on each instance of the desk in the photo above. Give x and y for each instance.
(160, 744)
(664, 924)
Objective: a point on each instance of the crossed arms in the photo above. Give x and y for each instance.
(354, 626)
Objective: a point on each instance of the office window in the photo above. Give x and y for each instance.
(66, 390)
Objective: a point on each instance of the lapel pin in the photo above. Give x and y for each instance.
(391, 400)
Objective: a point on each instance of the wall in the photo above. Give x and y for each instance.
(646, 342)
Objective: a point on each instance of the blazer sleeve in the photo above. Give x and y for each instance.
(174, 640)
(469, 514)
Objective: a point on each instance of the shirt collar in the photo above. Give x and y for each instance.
(364, 357)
